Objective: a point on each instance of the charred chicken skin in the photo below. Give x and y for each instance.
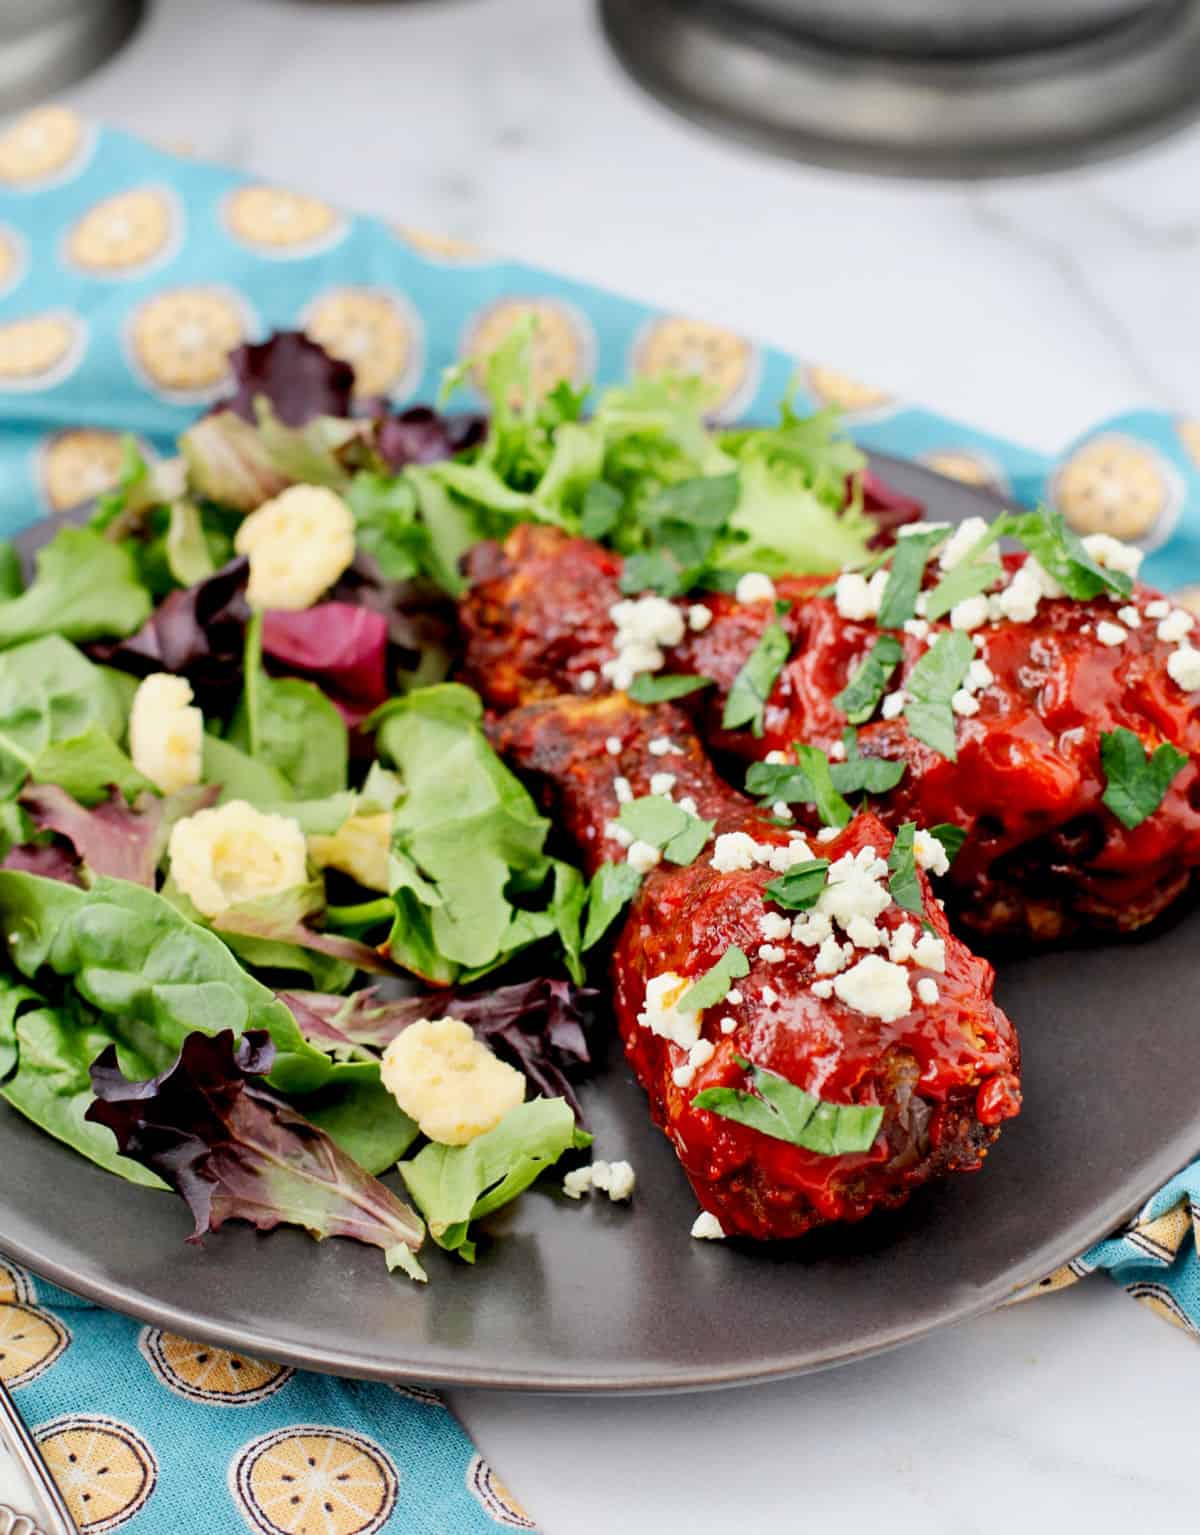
(852, 1000)
(1044, 856)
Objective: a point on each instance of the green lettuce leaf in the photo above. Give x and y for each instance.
(85, 588)
(51, 694)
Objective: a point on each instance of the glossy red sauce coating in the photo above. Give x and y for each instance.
(946, 1073)
(1044, 855)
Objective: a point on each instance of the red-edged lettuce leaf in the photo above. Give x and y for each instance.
(888, 508)
(546, 1027)
(113, 837)
(297, 375)
(420, 435)
(235, 1151)
(259, 920)
(421, 619)
(338, 645)
(55, 859)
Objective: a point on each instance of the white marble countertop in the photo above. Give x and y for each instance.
(1031, 307)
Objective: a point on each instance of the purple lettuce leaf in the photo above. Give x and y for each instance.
(545, 1027)
(298, 376)
(888, 508)
(341, 646)
(422, 624)
(55, 859)
(420, 435)
(259, 920)
(235, 1151)
(113, 837)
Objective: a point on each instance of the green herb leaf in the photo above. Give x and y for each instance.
(831, 807)
(860, 697)
(807, 782)
(654, 571)
(601, 510)
(753, 685)
(664, 824)
(1135, 783)
(455, 1185)
(800, 888)
(657, 687)
(613, 884)
(85, 588)
(785, 1112)
(950, 836)
(864, 775)
(713, 986)
(909, 557)
(968, 578)
(903, 883)
(1060, 550)
(931, 685)
(386, 525)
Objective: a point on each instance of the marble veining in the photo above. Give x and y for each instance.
(1033, 307)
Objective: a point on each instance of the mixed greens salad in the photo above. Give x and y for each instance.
(265, 883)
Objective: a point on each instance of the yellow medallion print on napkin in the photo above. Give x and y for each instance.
(1189, 436)
(849, 395)
(374, 331)
(13, 260)
(41, 146)
(203, 1373)
(1188, 597)
(563, 343)
(966, 466)
(180, 340)
(494, 1497)
(725, 360)
(278, 222)
(40, 350)
(15, 1284)
(77, 465)
(439, 247)
(123, 234)
(1116, 485)
(314, 1481)
(30, 1341)
(105, 1471)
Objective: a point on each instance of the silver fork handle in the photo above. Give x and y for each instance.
(49, 1505)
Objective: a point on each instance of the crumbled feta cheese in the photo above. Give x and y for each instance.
(1110, 634)
(235, 853)
(701, 1052)
(855, 888)
(769, 996)
(1159, 608)
(837, 751)
(662, 747)
(781, 859)
(964, 703)
(812, 928)
(852, 596)
(642, 856)
(782, 811)
(728, 1025)
(922, 604)
(707, 1228)
(917, 627)
(577, 1183)
(613, 746)
(876, 987)
(644, 625)
(822, 989)
(1130, 616)
(970, 613)
(927, 990)
(893, 704)
(772, 953)
(623, 789)
(979, 676)
(1176, 624)
(909, 528)
(687, 803)
(962, 541)
(733, 851)
(617, 833)
(660, 1012)
(733, 996)
(1113, 553)
(587, 681)
(699, 617)
(902, 943)
(299, 543)
(929, 852)
(832, 957)
(774, 925)
(755, 587)
(1019, 599)
(776, 758)
(361, 847)
(682, 1075)
(616, 1179)
(828, 834)
(449, 1081)
(166, 733)
(662, 783)
(930, 952)
(863, 934)
(1183, 667)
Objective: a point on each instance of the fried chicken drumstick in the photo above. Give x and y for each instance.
(1044, 855)
(850, 998)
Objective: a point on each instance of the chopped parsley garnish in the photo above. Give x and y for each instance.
(753, 684)
(864, 775)
(1061, 551)
(831, 807)
(780, 1109)
(656, 688)
(663, 824)
(800, 888)
(931, 685)
(903, 883)
(1136, 782)
(807, 782)
(968, 578)
(909, 556)
(713, 986)
(859, 699)
(613, 884)
(950, 836)
(654, 571)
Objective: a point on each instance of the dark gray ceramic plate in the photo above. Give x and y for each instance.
(599, 1297)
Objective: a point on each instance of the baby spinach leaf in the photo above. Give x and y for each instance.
(1135, 781)
(49, 693)
(713, 986)
(613, 884)
(753, 685)
(84, 588)
(860, 697)
(361, 1117)
(240, 776)
(455, 1185)
(656, 688)
(780, 1109)
(87, 765)
(931, 685)
(800, 888)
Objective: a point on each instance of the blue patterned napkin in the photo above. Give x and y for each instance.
(126, 275)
